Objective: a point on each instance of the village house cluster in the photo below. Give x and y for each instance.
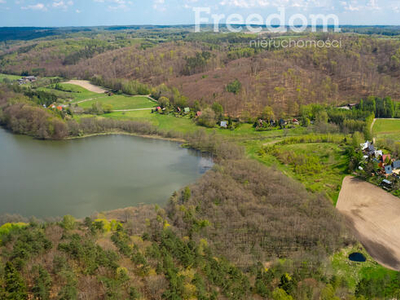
(274, 123)
(387, 166)
(27, 79)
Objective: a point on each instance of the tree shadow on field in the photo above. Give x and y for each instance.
(379, 252)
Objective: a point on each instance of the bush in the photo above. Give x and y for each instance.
(207, 118)
(234, 87)
(68, 222)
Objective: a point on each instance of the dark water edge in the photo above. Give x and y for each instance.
(357, 257)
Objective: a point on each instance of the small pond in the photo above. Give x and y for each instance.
(357, 257)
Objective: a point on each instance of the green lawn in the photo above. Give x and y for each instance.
(120, 102)
(167, 123)
(77, 93)
(244, 134)
(10, 77)
(383, 126)
(387, 128)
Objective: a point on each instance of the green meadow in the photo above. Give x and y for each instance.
(354, 272)
(72, 93)
(82, 97)
(320, 167)
(122, 102)
(387, 128)
(9, 77)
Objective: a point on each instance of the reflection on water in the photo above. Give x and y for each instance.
(205, 164)
(79, 177)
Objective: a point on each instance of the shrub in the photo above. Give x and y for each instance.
(207, 118)
(68, 222)
(234, 87)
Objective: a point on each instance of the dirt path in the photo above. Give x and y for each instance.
(90, 99)
(272, 142)
(87, 85)
(374, 216)
(372, 124)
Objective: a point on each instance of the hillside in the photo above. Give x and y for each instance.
(202, 69)
(204, 245)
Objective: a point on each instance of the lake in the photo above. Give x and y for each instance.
(83, 176)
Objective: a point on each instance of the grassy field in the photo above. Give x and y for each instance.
(331, 156)
(356, 271)
(167, 123)
(77, 93)
(84, 98)
(245, 133)
(387, 128)
(10, 77)
(121, 102)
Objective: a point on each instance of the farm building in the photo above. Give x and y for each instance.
(396, 164)
(371, 149)
(365, 146)
(348, 106)
(388, 170)
(30, 78)
(378, 153)
(27, 79)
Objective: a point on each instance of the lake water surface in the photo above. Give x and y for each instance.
(79, 177)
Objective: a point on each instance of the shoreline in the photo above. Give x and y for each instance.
(118, 211)
(147, 136)
(70, 138)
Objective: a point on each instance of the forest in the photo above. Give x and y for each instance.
(203, 67)
(249, 228)
(187, 249)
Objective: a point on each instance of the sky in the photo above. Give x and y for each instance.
(43, 13)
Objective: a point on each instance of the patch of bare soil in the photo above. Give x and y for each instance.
(374, 216)
(87, 85)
